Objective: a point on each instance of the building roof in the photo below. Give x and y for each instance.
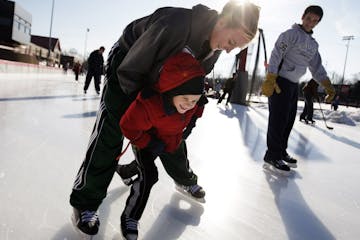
(44, 42)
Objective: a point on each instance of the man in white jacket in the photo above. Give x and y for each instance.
(294, 51)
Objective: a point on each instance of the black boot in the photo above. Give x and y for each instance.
(311, 121)
(303, 119)
(277, 165)
(290, 161)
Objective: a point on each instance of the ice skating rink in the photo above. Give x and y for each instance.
(45, 124)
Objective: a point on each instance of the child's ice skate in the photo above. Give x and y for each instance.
(195, 191)
(127, 172)
(129, 228)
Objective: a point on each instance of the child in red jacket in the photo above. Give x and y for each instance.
(155, 123)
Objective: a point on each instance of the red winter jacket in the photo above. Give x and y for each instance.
(155, 116)
(147, 117)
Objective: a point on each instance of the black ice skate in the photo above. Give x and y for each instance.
(311, 121)
(129, 228)
(195, 191)
(304, 119)
(277, 166)
(290, 161)
(127, 172)
(85, 222)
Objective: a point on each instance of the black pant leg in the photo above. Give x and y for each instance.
(221, 97)
(281, 110)
(293, 89)
(97, 78)
(305, 110)
(229, 97)
(177, 165)
(99, 165)
(105, 144)
(88, 78)
(140, 189)
(308, 106)
(311, 108)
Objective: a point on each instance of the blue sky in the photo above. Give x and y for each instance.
(106, 20)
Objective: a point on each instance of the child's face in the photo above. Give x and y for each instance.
(184, 103)
(309, 21)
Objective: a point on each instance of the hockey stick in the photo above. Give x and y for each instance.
(328, 127)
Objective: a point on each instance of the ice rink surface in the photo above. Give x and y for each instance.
(46, 122)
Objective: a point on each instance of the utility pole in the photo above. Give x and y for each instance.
(348, 39)
(86, 36)
(51, 22)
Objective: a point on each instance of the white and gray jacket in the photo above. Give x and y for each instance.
(298, 50)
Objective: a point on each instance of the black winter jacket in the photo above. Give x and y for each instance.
(148, 41)
(96, 62)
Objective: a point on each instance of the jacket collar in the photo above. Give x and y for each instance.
(300, 27)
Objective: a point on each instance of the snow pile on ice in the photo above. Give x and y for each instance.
(340, 117)
(355, 115)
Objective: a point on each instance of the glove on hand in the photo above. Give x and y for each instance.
(156, 146)
(329, 89)
(269, 85)
(189, 127)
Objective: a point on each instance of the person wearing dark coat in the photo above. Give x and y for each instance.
(310, 92)
(95, 69)
(228, 88)
(77, 69)
(335, 103)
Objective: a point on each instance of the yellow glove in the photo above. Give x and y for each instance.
(329, 89)
(269, 85)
